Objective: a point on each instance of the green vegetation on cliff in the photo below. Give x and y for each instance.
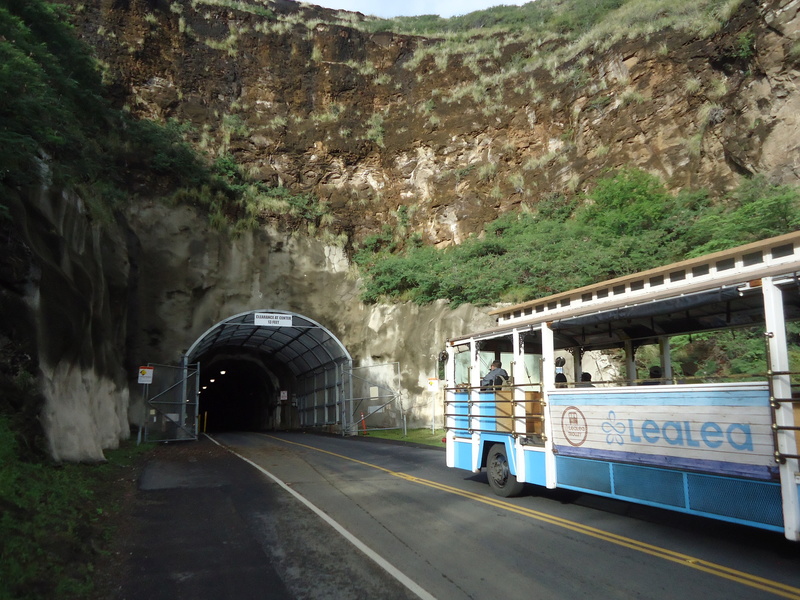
(58, 128)
(628, 223)
(552, 31)
(570, 19)
(55, 519)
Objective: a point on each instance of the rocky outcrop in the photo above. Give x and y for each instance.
(67, 299)
(392, 129)
(92, 300)
(192, 277)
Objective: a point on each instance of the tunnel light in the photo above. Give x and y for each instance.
(205, 387)
(222, 372)
(212, 380)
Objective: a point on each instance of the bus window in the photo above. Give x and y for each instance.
(532, 363)
(462, 366)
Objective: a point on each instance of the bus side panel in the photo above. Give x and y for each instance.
(535, 468)
(459, 438)
(462, 454)
(758, 503)
(721, 429)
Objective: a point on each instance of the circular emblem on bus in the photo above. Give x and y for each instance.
(573, 424)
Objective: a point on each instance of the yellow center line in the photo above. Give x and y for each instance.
(753, 581)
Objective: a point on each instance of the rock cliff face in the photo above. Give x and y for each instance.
(191, 278)
(385, 129)
(66, 296)
(439, 138)
(93, 301)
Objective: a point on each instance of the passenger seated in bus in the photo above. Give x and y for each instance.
(654, 376)
(495, 378)
(561, 380)
(586, 380)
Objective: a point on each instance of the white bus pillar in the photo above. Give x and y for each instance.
(549, 383)
(787, 438)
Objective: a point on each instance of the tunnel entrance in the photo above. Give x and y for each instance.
(236, 393)
(269, 369)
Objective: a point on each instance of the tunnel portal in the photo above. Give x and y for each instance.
(269, 369)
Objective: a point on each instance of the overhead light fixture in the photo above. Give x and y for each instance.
(222, 372)
(212, 380)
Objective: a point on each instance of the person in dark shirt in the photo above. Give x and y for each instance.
(561, 380)
(495, 378)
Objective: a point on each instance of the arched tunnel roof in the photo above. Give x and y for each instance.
(300, 343)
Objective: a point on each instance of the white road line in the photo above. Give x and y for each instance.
(377, 558)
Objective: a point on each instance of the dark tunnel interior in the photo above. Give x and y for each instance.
(236, 394)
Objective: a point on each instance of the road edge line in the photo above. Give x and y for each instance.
(371, 554)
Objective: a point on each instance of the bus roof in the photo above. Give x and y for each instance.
(715, 291)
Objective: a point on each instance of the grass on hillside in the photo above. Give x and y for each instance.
(56, 520)
(418, 436)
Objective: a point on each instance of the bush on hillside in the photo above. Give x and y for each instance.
(628, 223)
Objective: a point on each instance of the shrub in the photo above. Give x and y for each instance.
(692, 85)
(49, 93)
(745, 47)
(757, 210)
(627, 203)
(487, 171)
(54, 519)
(375, 131)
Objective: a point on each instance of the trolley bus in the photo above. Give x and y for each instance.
(721, 448)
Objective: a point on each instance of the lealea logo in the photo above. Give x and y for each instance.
(573, 425)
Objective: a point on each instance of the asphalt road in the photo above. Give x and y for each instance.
(306, 516)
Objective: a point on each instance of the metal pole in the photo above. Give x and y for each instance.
(350, 392)
(184, 376)
(342, 400)
(144, 415)
(197, 400)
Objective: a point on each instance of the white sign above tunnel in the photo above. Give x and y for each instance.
(272, 320)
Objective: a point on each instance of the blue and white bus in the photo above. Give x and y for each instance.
(725, 448)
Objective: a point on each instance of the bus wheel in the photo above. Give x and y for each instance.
(502, 482)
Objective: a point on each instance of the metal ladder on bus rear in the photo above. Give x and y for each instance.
(781, 403)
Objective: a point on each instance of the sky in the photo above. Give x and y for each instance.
(409, 8)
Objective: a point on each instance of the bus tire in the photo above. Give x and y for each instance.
(502, 482)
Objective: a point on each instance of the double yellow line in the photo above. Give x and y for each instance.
(753, 581)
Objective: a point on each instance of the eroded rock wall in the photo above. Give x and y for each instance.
(384, 130)
(67, 307)
(191, 277)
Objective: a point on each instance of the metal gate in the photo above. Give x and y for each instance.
(374, 398)
(170, 404)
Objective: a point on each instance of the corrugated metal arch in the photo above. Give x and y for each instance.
(305, 348)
